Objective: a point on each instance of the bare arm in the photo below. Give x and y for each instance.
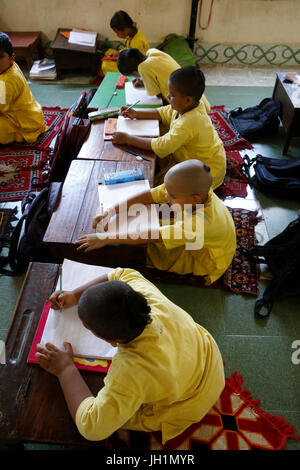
(60, 363)
(68, 299)
(121, 138)
(142, 198)
(140, 113)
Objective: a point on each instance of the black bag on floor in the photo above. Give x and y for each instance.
(280, 177)
(257, 121)
(27, 246)
(282, 255)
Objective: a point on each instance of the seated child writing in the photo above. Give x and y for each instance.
(190, 134)
(201, 241)
(151, 71)
(166, 374)
(125, 28)
(21, 117)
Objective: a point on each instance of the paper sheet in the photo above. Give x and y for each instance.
(133, 94)
(139, 219)
(138, 127)
(66, 325)
(83, 38)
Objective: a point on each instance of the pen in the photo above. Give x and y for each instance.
(131, 106)
(102, 220)
(137, 155)
(60, 285)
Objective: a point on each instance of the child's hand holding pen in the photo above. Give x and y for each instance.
(105, 218)
(66, 299)
(128, 113)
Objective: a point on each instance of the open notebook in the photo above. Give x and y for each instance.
(138, 127)
(137, 221)
(133, 94)
(66, 325)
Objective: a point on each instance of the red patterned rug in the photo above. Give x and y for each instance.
(235, 422)
(230, 137)
(235, 182)
(242, 275)
(25, 167)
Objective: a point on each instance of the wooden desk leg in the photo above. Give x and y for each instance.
(287, 141)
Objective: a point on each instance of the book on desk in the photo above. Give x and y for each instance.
(137, 127)
(90, 352)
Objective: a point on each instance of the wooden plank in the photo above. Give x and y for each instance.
(93, 144)
(64, 218)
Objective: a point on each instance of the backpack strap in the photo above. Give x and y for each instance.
(11, 258)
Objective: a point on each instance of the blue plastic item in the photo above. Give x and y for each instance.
(123, 176)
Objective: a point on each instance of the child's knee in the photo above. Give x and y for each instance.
(7, 132)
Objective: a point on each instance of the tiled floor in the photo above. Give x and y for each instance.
(260, 349)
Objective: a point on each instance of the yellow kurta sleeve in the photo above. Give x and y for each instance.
(159, 194)
(97, 418)
(178, 136)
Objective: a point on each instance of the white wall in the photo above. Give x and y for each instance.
(156, 18)
(251, 22)
(233, 21)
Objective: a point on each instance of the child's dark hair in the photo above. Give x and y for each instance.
(5, 44)
(114, 311)
(189, 81)
(129, 60)
(121, 20)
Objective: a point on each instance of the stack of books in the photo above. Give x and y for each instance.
(43, 70)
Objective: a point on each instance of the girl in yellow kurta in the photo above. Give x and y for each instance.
(190, 134)
(202, 239)
(125, 28)
(164, 377)
(21, 116)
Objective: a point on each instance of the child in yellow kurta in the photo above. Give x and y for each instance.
(202, 239)
(21, 116)
(167, 372)
(190, 134)
(125, 28)
(151, 71)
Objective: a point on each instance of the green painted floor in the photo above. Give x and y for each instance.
(260, 350)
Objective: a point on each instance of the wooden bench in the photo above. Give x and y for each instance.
(26, 45)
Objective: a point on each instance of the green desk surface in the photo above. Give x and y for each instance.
(107, 87)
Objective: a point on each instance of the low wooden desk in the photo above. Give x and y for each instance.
(73, 56)
(32, 405)
(289, 97)
(26, 44)
(75, 212)
(95, 148)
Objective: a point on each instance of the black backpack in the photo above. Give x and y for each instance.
(280, 177)
(257, 121)
(282, 255)
(27, 246)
